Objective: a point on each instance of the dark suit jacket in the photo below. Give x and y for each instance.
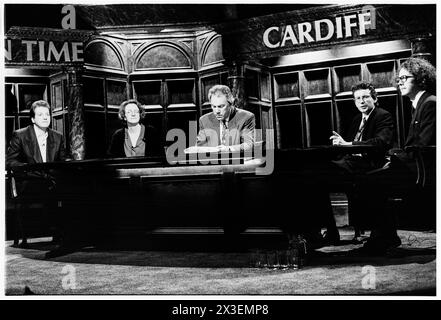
(241, 127)
(422, 130)
(378, 131)
(151, 138)
(23, 148)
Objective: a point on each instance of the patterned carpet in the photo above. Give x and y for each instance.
(410, 270)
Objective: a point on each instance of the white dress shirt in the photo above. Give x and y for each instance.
(42, 141)
(417, 98)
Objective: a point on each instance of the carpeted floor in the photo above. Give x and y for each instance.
(330, 271)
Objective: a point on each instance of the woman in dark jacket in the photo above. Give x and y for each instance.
(134, 139)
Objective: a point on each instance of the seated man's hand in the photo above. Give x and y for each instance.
(222, 148)
(337, 140)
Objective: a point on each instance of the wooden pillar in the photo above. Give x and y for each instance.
(423, 47)
(75, 113)
(236, 82)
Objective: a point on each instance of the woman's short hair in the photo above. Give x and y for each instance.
(36, 104)
(122, 109)
(365, 86)
(423, 71)
(221, 89)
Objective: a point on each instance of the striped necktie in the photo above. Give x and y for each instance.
(360, 130)
(224, 133)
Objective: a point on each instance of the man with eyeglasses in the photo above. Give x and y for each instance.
(416, 80)
(227, 128)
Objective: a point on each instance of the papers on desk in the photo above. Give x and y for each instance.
(196, 149)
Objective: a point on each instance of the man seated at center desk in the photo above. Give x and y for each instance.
(226, 128)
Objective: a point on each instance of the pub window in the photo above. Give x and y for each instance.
(95, 131)
(28, 93)
(93, 91)
(289, 126)
(252, 84)
(9, 128)
(318, 123)
(346, 77)
(286, 86)
(382, 74)
(116, 93)
(317, 84)
(181, 91)
(148, 92)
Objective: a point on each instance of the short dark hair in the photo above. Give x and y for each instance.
(423, 71)
(36, 104)
(122, 109)
(363, 86)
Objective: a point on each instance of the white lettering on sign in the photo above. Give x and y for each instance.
(44, 51)
(319, 30)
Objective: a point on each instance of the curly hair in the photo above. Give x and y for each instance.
(423, 71)
(122, 109)
(221, 89)
(36, 104)
(363, 86)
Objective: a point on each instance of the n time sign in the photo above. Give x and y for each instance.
(319, 30)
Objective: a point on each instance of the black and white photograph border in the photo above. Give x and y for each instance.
(277, 200)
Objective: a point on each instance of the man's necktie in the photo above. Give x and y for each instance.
(224, 133)
(360, 130)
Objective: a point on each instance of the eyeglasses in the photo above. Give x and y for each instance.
(132, 112)
(403, 79)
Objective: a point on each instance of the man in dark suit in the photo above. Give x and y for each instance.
(416, 80)
(227, 128)
(36, 143)
(372, 126)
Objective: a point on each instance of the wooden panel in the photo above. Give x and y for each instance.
(102, 54)
(214, 52)
(95, 134)
(116, 92)
(9, 128)
(10, 100)
(206, 84)
(390, 103)
(24, 121)
(289, 126)
(163, 57)
(317, 82)
(156, 120)
(265, 87)
(148, 92)
(318, 123)
(287, 85)
(57, 96)
(113, 124)
(28, 93)
(345, 112)
(181, 119)
(347, 76)
(252, 83)
(58, 124)
(181, 91)
(93, 91)
(382, 74)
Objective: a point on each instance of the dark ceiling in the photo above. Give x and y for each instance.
(90, 17)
